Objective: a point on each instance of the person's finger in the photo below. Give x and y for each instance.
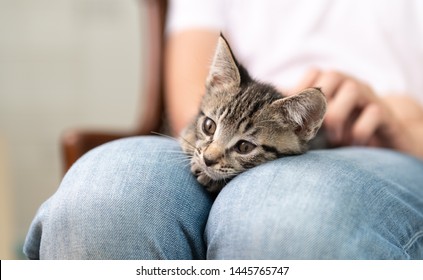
(307, 81)
(367, 124)
(329, 82)
(340, 110)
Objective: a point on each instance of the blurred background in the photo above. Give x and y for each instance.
(63, 64)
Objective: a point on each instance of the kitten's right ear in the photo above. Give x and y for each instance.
(224, 71)
(304, 111)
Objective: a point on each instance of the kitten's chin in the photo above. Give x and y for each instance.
(213, 174)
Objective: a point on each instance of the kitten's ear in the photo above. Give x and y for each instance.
(304, 111)
(224, 71)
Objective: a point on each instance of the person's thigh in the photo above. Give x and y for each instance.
(130, 199)
(351, 203)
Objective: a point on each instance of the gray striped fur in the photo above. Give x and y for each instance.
(243, 109)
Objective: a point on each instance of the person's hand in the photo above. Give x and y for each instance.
(355, 114)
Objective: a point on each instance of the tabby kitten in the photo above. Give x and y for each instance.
(243, 123)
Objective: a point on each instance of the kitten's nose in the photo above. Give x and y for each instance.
(209, 162)
(212, 154)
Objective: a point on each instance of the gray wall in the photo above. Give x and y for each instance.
(63, 64)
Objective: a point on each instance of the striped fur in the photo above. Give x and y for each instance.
(243, 123)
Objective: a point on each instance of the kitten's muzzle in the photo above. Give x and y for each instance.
(212, 154)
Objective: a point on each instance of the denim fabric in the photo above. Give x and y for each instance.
(351, 203)
(130, 199)
(136, 199)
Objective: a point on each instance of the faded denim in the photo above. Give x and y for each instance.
(136, 199)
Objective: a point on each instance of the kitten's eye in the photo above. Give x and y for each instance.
(209, 126)
(244, 147)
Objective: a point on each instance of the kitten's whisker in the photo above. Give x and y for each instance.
(177, 152)
(178, 157)
(164, 135)
(189, 143)
(181, 155)
(174, 138)
(176, 160)
(188, 164)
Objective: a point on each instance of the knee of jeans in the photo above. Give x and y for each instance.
(139, 188)
(136, 161)
(298, 207)
(147, 170)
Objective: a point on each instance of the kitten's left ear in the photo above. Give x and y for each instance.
(304, 111)
(224, 71)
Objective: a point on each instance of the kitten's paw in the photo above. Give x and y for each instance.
(203, 179)
(196, 169)
(210, 185)
(215, 186)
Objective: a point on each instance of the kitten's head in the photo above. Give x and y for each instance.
(243, 123)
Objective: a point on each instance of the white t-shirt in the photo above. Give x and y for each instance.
(377, 41)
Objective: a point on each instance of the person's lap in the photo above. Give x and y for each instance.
(129, 199)
(351, 203)
(136, 199)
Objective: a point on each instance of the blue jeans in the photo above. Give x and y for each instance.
(136, 199)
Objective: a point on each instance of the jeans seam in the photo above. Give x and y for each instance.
(413, 239)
